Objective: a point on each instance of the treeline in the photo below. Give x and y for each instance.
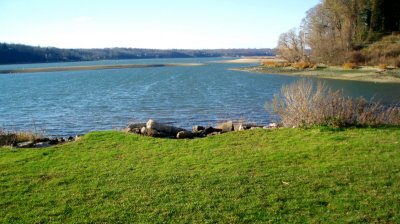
(336, 31)
(17, 53)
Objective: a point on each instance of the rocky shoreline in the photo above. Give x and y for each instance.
(10, 140)
(159, 130)
(151, 129)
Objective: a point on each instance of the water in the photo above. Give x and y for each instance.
(75, 102)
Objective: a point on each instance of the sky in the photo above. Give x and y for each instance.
(160, 24)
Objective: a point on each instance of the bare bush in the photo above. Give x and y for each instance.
(302, 105)
(11, 138)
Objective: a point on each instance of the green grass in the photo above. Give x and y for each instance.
(288, 175)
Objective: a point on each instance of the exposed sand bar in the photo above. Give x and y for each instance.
(367, 74)
(251, 60)
(93, 67)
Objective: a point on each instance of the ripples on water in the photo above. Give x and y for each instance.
(75, 102)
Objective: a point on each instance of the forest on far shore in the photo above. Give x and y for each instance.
(18, 53)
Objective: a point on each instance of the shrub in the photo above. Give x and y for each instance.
(268, 63)
(11, 138)
(349, 65)
(356, 57)
(277, 64)
(386, 51)
(302, 65)
(302, 105)
(382, 66)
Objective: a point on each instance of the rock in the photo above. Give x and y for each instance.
(243, 127)
(70, 138)
(273, 125)
(42, 140)
(197, 128)
(135, 130)
(42, 144)
(143, 130)
(214, 133)
(134, 127)
(184, 134)
(29, 144)
(77, 137)
(154, 133)
(61, 139)
(167, 129)
(255, 128)
(226, 127)
(53, 141)
(211, 130)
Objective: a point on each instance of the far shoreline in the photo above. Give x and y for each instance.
(362, 74)
(94, 67)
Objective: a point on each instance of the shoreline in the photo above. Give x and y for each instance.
(94, 67)
(364, 74)
(249, 60)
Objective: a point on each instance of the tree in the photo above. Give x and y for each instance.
(291, 46)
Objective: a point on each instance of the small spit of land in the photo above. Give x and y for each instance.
(93, 67)
(362, 73)
(281, 175)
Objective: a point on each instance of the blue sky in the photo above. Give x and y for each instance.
(163, 24)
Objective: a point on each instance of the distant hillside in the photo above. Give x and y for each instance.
(17, 53)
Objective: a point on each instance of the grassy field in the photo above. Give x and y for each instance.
(286, 175)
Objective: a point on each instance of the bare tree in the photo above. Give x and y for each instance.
(291, 46)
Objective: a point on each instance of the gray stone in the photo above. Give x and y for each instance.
(167, 129)
(226, 127)
(273, 125)
(211, 130)
(42, 145)
(29, 144)
(134, 127)
(53, 141)
(197, 128)
(184, 134)
(154, 133)
(243, 127)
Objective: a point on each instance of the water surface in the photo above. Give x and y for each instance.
(75, 102)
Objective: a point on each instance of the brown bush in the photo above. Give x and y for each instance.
(349, 66)
(302, 65)
(11, 138)
(385, 51)
(301, 104)
(356, 57)
(276, 64)
(269, 63)
(382, 66)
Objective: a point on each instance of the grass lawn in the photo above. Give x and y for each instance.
(287, 175)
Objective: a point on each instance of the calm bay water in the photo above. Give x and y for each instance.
(75, 102)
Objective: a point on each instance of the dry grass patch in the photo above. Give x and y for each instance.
(11, 138)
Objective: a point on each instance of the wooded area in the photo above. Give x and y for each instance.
(18, 53)
(337, 31)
